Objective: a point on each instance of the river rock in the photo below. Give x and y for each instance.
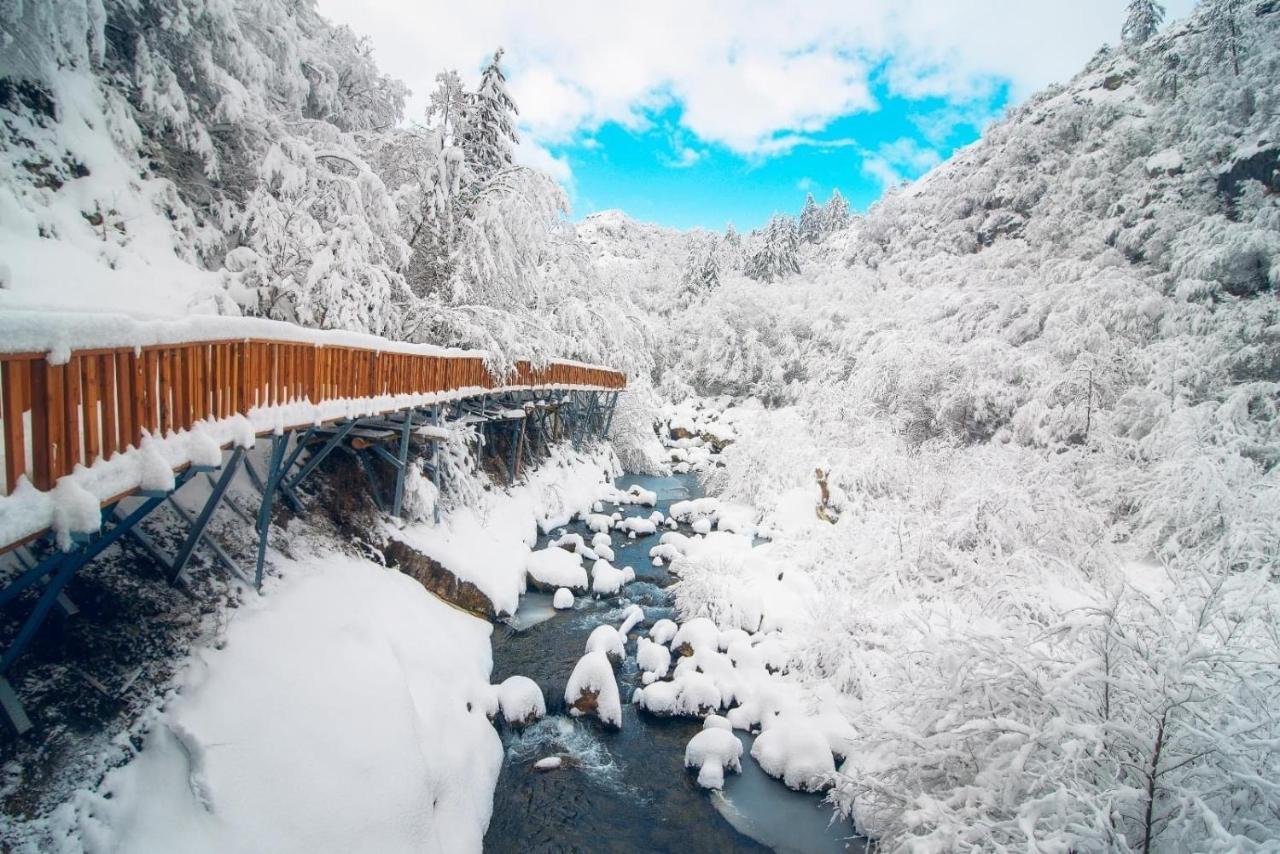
(437, 578)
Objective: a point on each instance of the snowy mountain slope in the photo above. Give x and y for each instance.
(1043, 382)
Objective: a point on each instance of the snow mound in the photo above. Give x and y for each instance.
(663, 631)
(692, 694)
(563, 600)
(606, 579)
(555, 567)
(796, 752)
(653, 658)
(521, 701)
(607, 640)
(633, 617)
(592, 690)
(712, 752)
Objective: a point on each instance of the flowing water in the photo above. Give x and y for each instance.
(628, 790)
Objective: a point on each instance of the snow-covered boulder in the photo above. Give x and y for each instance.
(521, 701)
(1166, 162)
(592, 690)
(692, 694)
(637, 525)
(606, 579)
(599, 523)
(563, 600)
(702, 526)
(554, 567)
(663, 631)
(712, 752)
(716, 722)
(607, 640)
(695, 508)
(631, 618)
(797, 753)
(696, 634)
(653, 658)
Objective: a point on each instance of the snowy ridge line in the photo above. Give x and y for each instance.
(56, 335)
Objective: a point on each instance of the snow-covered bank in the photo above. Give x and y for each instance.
(347, 709)
(340, 712)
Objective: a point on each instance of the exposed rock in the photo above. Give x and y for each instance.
(432, 575)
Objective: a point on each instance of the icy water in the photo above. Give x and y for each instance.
(628, 790)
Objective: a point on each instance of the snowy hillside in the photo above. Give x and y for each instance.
(189, 157)
(1042, 381)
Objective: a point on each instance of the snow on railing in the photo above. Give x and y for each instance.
(154, 385)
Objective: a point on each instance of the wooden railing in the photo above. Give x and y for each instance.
(100, 402)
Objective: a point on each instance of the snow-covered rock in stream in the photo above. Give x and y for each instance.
(663, 631)
(563, 599)
(602, 545)
(716, 722)
(653, 658)
(702, 526)
(698, 633)
(695, 508)
(606, 579)
(713, 751)
(693, 694)
(599, 523)
(521, 701)
(553, 567)
(606, 639)
(593, 690)
(633, 617)
(797, 753)
(637, 525)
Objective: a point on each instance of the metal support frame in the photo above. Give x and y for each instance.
(317, 458)
(59, 568)
(197, 531)
(275, 471)
(435, 460)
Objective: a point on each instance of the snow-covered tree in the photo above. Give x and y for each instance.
(491, 134)
(810, 227)
(835, 213)
(1141, 21)
(774, 255)
(1224, 17)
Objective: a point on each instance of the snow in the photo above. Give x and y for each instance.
(548, 763)
(1167, 162)
(663, 631)
(563, 599)
(555, 567)
(653, 657)
(636, 525)
(690, 694)
(593, 674)
(606, 580)
(713, 751)
(796, 753)
(363, 704)
(632, 617)
(520, 700)
(698, 633)
(608, 640)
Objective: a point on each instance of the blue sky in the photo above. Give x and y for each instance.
(663, 173)
(714, 111)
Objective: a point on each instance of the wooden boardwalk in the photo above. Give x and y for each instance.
(82, 423)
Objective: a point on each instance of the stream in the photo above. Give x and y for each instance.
(629, 790)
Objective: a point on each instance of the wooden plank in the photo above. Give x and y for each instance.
(42, 416)
(110, 404)
(90, 390)
(71, 401)
(164, 390)
(130, 407)
(15, 446)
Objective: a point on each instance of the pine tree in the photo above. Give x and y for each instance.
(1141, 21)
(1225, 21)
(491, 136)
(811, 221)
(775, 256)
(835, 214)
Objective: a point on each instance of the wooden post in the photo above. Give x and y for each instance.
(15, 448)
(92, 436)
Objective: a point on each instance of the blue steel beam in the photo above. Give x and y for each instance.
(274, 472)
(197, 528)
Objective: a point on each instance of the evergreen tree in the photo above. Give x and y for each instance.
(1225, 18)
(491, 135)
(775, 255)
(1141, 21)
(835, 214)
(811, 225)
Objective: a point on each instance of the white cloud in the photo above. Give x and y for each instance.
(532, 153)
(894, 162)
(754, 75)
